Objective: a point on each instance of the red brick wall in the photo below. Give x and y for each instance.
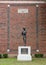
(3, 28)
(42, 28)
(17, 21)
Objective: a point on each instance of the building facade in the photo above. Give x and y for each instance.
(14, 16)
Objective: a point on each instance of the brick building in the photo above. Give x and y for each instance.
(14, 16)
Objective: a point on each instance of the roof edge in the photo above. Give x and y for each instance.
(23, 2)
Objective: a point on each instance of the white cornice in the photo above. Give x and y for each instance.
(23, 2)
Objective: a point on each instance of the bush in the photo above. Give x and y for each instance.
(39, 55)
(0, 55)
(5, 55)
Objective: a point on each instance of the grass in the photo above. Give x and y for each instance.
(13, 61)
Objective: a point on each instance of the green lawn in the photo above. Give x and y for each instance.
(13, 61)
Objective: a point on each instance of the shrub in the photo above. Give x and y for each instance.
(39, 55)
(0, 55)
(5, 55)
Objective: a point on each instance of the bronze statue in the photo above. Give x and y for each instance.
(24, 36)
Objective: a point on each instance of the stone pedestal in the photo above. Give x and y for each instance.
(24, 53)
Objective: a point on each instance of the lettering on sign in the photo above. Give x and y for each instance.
(22, 10)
